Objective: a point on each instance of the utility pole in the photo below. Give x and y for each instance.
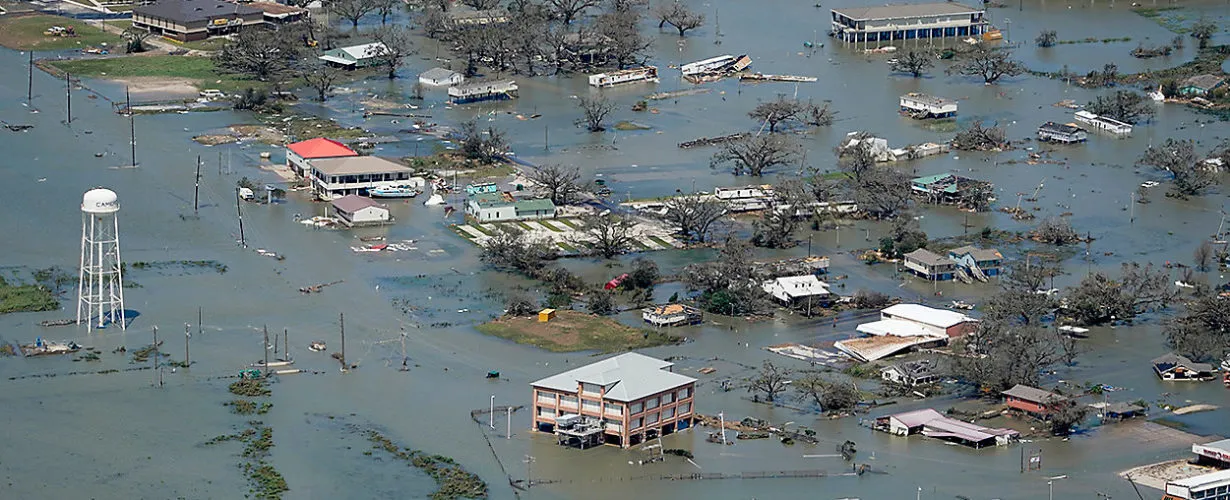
(30, 81)
(187, 338)
(341, 322)
(809, 246)
(405, 361)
(491, 414)
(68, 94)
(1132, 209)
(265, 348)
(286, 344)
(196, 191)
(242, 241)
(219, 163)
(199, 312)
(155, 357)
(132, 126)
(546, 138)
(529, 481)
(508, 433)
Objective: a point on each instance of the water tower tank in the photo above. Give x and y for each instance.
(100, 201)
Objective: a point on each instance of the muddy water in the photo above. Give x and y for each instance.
(119, 437)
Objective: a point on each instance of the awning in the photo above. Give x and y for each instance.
(337, 60)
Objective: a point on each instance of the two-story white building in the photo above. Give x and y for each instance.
(336, 177)
(921, 22)
(623, 400)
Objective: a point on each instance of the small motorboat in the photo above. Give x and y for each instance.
(316, 346)
(493, 374)
(393, 192)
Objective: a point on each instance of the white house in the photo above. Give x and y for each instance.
(1103, 123)
(925, 106)
(335, 177)
(355, 210)
(916, 320)
(792, 289)
(440, 77)
(355, 56)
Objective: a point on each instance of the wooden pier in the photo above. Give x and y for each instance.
(761, 77)
(712, 141)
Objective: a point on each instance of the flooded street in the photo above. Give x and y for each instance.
(72, 432)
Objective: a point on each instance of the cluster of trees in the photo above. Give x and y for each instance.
(556, 35)
(728, 284)
(759, 153)
(1100, 299)
(773, 381)
(882, 193)
(1123, 105)
(979, 138)
(1191, 176)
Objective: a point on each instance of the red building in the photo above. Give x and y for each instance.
(1031, 399)
(300, 153)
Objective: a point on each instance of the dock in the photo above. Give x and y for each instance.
(712, 141)
(761, 77)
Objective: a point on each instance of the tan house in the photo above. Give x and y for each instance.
(188, 20)
(622, 400)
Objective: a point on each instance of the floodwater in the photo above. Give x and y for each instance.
(117, 436)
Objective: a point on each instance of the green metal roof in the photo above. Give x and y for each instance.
(930, 179)
(488, 199)
(535, 205)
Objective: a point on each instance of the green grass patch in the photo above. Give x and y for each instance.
(566, 246)
(306, 127)
(1152, 11)
(661, 242)
(627, 125)
(573, 331)
(570, 223)
(209, 44)
(201, 70)
(119, 23)
(26, 298)
(833, 176)
(452, 480)
(639, 245)
(524, 226)
(482, 229)
(26, 33)
(550, 226)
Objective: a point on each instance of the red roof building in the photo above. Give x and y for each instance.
(298, 154)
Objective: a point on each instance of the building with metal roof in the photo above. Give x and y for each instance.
(929, 265)
(931, 423)
(189, 20)
(630, 397)
(440, 77)
(1064, 133)
(1211, 486)
(298, 154)
(355, 56)
(499, 207)
(1175, 367)
(789, 290)
(919, 23)
(335, 177)
(355, 210)
(1031, 399)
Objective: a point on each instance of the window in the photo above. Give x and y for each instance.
(668, 413)
(651, 404)
(613, 409)
(637, 408)
(668, 398)
(685, 393)
(685, 408)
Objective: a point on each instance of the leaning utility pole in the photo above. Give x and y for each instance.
(242, 241)
(68, 94)
(132, 126)
(155, 357)
(30, 81)
(187, 338)
(341, 323)
(196, 191)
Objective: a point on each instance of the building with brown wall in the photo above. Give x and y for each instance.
(188, 20)
(622, 400)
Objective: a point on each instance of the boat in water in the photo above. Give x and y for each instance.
(274, 363)
(316, 346)
(393, 192)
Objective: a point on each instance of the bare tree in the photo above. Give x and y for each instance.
(728, 284)
(979, 138)
(778, 111)
(263, 54)
(1099, 298)
(818, 115)
(320, 76)
(395, 45)
(625, 45)
(569, 10)
(679, 16)
(771, 380)
(1203, 257)
(601, 302)
(1047, 38)
(913, 62)
(1124, 105)
(988, 63)
(608, 235)
(485, 146)
(1202, 332)
(351, 10)
(753, 155)
(385, 8)
(1203, 31)
(595, 110)
(1179, 158)
(510, 248)
(694, 216)
(518, 304)
(777, 224)
(883, 193)
(1012, 344)
(481, 4)
(559, 183)
(1064, 415)
(1055, 231)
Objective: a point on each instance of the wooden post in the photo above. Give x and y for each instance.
(341, 322)
(286, 344)
(196, 191)
(199, 312)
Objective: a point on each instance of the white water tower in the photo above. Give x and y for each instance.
(100, 292)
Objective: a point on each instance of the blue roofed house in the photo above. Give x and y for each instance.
(978, 262)
(496, 207)
(949, 189)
